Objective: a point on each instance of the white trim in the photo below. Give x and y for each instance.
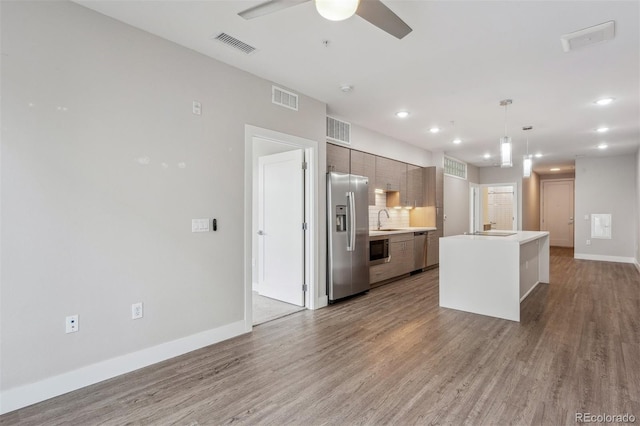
(602, 258)
(22, 396)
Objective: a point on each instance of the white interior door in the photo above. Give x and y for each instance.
(280, 219)
(557, 211)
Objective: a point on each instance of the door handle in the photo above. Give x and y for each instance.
(260, 232)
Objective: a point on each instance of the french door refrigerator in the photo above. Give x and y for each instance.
(347, 235)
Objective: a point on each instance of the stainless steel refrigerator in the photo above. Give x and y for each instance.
(347, 235)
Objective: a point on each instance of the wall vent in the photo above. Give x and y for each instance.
(234, 43)
(284, 98)
(587, 36)
(338, 131)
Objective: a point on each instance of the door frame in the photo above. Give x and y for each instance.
(256, 135)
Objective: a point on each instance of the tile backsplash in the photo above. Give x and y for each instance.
(398, 218)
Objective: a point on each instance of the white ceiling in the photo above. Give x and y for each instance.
(452, 71)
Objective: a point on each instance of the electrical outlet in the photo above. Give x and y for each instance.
(136, 310)
(588, 242)
(71, 324)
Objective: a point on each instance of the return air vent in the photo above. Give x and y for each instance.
(284, 98)
(235, 43)
(338, 131)
(587, 36)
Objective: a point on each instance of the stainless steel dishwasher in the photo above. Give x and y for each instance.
(419, 250)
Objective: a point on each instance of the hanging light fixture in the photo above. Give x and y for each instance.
(527, 161)
(505, 142)
(337, 10)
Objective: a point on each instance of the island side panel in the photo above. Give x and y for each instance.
(529, 267)
(543, 258)
(480, 276)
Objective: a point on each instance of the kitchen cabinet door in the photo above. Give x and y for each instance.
(338, 159)
(415, 186)
(433, 247)
(364, 164)
(389, 173)
(401, 263)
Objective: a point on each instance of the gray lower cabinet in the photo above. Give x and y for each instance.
(433, 247)
(402, 260)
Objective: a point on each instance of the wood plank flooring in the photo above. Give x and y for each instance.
(393, 356)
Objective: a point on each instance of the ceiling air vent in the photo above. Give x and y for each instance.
(338, 131)
(235, 43)
(284, 98)
(587, 36)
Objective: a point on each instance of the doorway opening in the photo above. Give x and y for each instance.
(269, 180)
(494, 207)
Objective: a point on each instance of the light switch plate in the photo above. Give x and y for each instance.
(200, 225)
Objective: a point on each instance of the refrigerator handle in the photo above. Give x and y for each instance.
(351, 219)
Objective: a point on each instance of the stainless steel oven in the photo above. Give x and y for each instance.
(378, 250)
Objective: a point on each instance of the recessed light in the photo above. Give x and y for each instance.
(604, 101)
(555, 169)
(402, 114)
(487, 156)
(457, 141)
(602, 129)
(346, 88)
(538, 155)
(603, 146)
(434, 130)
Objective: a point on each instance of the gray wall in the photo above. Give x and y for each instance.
(86, 228)
(531, 203)
(606, 185)
(457, 207)
(638, 209)
(376, 143)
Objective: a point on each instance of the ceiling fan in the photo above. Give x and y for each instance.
(373, 11)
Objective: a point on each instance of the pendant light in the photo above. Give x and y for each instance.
(527, 161)
(505, 142)
(337, 10)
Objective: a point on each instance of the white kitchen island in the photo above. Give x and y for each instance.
(490, 274)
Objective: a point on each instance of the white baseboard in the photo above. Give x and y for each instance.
(22, 396)
(602, 258)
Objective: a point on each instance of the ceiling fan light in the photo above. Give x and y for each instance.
(505, 152)
(336, 10)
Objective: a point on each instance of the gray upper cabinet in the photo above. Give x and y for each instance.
(389, 174)
(415, 194)
(338, 158)
(364, 164)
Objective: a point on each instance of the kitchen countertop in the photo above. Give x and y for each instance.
(376, 233)
(521, 237)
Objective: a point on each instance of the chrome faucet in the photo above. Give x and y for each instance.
(380, 211)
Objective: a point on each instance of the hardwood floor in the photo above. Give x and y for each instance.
(393, 356)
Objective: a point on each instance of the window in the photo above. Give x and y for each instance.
(455, 168)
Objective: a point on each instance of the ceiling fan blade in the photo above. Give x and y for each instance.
(382, 17)
(269, 7)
